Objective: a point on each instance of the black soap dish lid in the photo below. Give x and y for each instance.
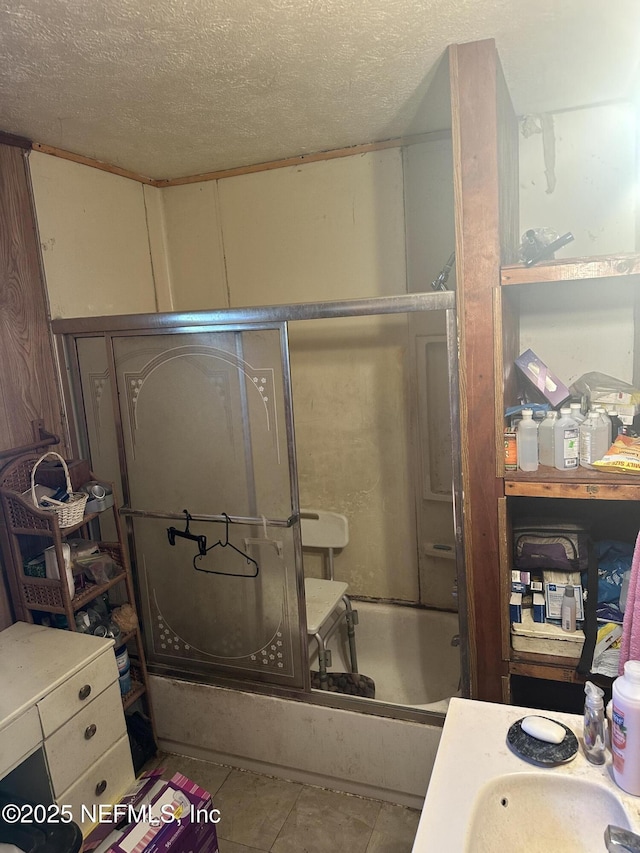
(540, 752)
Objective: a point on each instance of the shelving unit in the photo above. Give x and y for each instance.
(26, 531)
(607, 498)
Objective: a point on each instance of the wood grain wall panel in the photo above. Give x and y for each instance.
(474, 105)
(28, 383)
(28, 379)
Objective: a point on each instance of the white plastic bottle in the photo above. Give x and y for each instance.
(591, 440)
(545, 439)
(625, 737)
(608, 427)
(568, 610)
(527, 442)
(576, 412)
(567, 441)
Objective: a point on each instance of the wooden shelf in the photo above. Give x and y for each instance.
(572, 269)
(581, 484)
(549, 667)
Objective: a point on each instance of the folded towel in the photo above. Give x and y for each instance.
(630, 644)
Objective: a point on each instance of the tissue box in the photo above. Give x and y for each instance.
(175, 816)
(545, 387)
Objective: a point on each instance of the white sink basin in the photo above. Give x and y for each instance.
(538, 812)
(483, 798)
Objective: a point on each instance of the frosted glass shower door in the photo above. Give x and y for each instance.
(206, 427)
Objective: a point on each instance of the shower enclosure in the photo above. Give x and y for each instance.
(191, 415)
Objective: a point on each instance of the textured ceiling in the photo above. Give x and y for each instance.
(168, 88)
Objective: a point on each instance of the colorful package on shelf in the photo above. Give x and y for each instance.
(623, 456)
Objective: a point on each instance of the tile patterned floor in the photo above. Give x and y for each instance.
(260, 814)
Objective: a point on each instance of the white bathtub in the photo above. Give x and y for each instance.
(406, 650)
(408, 653)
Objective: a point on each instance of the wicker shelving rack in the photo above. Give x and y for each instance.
(26, 530)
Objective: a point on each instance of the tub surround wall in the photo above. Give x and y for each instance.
(351, 387)
(430, 239)
(360, 754)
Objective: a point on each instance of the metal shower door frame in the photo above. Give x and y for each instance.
(270, 316)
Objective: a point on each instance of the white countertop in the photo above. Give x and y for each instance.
(473, 749)
(32, 656)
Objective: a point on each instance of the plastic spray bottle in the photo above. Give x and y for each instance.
(593, 730)
(625, 737)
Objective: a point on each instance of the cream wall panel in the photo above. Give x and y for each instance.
(429, 211)
(320, 231)
(595, 197)
(595, 194)
(157, 230)
(94, 239)
(195, 250)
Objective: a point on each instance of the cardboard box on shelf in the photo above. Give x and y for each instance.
(515, 607)
(553, 594)
(545, 639)
(542, 385)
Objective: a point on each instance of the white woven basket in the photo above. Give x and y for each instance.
(71, 511)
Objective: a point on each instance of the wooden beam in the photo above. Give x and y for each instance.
(94, 164)
(572, 269)
(352, 151)
(483, 125)
(301, 159)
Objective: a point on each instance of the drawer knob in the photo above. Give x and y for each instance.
(101, 787)
(90, 731)
(84, 692)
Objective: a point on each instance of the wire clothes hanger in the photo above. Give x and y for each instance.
(226, 544)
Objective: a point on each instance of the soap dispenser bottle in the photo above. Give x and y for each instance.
(593, 730)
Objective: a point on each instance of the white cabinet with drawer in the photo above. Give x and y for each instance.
(80, 742)
(61, 693)
(77, 692)
(103, 783)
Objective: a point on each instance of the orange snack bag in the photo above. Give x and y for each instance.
(622, 456)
